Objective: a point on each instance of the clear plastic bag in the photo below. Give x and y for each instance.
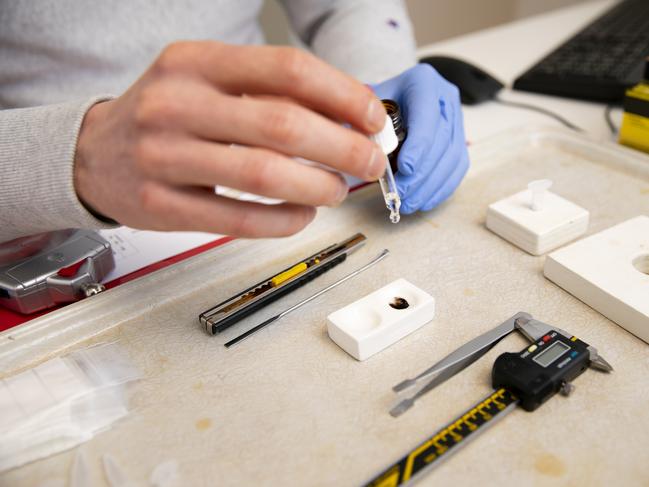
(62, 403)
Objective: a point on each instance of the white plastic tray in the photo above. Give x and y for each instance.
(289, 407)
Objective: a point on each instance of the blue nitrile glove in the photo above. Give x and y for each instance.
(434, 157)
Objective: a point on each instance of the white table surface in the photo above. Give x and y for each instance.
(156, 321)
(506, 52)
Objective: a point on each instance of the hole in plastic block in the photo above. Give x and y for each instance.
(642, 263)
(399, 303)
(363, 320)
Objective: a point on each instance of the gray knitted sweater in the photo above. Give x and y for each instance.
(59, 57)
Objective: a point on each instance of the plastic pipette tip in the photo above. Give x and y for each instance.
(393, 206)
(390, 193)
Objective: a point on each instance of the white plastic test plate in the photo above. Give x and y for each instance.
(371, 324)
(537, 232)
(609, 271)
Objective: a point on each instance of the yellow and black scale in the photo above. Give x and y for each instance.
(446, 440)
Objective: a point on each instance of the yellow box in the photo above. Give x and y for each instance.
(634, 131)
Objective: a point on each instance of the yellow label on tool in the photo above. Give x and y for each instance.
(286, 275)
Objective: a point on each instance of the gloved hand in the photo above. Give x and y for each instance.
(434, 158)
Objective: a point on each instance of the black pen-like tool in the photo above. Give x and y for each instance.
(250, 332)
(234, 309)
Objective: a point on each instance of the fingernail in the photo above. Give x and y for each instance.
(377, 164)
(343, 190)
(375, 114)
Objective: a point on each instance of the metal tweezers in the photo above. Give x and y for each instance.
(412, 389)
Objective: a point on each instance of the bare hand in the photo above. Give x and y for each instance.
(150, 158)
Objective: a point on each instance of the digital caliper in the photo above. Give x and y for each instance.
(527, 378)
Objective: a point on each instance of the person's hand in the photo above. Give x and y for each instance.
(151, 158)
(433, 158)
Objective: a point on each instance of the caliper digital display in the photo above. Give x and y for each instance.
(549, 355)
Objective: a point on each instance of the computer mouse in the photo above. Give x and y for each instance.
(475, 85)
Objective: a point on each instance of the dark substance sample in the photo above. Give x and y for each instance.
(392, 109)
(399, 303)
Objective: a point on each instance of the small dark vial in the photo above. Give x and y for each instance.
(399, 303)
(392, 109)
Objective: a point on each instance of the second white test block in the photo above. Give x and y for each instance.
(537, 220)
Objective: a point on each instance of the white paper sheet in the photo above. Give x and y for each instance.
(136, 249)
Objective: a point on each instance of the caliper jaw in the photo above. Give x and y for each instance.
(534, 330)
(597, 362)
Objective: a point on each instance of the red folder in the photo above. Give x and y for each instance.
(9, 318)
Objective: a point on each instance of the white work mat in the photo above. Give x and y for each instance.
(288, 407)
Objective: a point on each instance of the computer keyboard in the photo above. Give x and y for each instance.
(598, 63)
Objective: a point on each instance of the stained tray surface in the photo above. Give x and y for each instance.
(288, 407)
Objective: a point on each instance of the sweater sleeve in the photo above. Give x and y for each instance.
(37, 147)
(371, 40)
